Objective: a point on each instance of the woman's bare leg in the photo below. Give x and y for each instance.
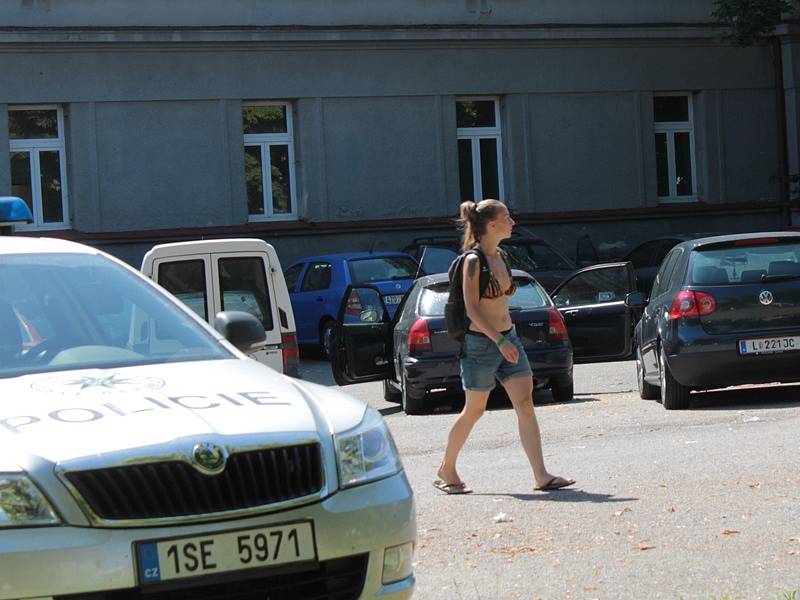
(520, 391)
(474, 407)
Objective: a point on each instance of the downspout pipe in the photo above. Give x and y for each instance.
(781, 140)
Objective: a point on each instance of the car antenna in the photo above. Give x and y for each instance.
(419, 264)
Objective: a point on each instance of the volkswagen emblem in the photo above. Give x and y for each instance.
(397, 286)
(765, 297)
(209, 458)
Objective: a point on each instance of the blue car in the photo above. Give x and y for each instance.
(317, 285)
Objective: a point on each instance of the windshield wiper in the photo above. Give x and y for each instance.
(786, 277)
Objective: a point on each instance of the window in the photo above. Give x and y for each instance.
(186, 280)
(607, 284)
(318, 277)
(38, 164)
(674, 138)
(662, 281)
(269, 161)
(292, 274)
(243, 285)
(480, 162)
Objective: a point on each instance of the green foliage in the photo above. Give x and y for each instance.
(749, 22)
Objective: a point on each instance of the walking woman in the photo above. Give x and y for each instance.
(492, 351)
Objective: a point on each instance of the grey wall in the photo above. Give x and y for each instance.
(86, 13)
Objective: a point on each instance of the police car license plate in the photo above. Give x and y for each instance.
(177, 558)
(393, 298)
(769, 345)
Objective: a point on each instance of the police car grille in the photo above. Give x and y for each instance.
(177, 489)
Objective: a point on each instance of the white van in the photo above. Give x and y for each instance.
(210, 276)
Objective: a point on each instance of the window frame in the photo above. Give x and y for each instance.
(33, 147)
(669, 129)
(265, 141)
(474, 135)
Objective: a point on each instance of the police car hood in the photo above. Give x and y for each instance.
(71, 414)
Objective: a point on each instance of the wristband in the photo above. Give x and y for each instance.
(501, 340)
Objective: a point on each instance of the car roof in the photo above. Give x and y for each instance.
(351, 255)
(28, 245)
(697, 243)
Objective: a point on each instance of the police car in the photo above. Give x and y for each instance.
(143, 454)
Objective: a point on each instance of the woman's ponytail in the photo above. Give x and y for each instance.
(472, 219)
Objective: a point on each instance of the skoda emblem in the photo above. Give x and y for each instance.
(765, 297)
(209, 458)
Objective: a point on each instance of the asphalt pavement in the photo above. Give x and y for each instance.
(702, 503)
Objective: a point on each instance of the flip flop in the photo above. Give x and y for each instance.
(452, 488)
(554, 484)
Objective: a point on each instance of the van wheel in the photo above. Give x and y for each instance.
(563, 389)
(412, 403)
(674, 396)
(391, 393)
(326, 339)
(647, 391)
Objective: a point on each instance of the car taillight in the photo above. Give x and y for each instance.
(756, 242)
(692, 304)
(419, 337)
(353, 306)
(291, 354)
(556, 329)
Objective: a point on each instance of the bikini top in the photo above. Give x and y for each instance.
(492, 288)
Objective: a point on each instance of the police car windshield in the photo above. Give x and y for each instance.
(77, 311)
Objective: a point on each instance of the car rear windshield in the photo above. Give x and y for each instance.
(383, 268)
(745, 263)
(529, 296)
(534, 256)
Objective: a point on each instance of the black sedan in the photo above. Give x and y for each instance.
(586, 320)
(723, 311)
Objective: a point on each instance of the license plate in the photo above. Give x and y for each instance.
(393, 298)
(769, 345)
(177, 558)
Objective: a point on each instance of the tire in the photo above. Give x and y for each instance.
(674, 396)
(412, 403)
(325, 339)
(562, 389)
(391, 393)
(647, 391)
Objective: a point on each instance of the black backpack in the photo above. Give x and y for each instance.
(455, 313)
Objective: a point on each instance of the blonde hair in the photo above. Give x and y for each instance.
(473, 217)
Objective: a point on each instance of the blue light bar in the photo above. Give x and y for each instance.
(14, 210)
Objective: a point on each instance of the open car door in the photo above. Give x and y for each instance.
(599, 320)
(362, 338)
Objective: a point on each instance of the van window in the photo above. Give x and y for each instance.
(243, 282)
(186, 280)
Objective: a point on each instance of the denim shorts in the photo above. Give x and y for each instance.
(482, 362)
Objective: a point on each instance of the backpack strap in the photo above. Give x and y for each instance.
(485, 273)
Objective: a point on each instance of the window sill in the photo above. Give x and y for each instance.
(678, 200)
(260, 219)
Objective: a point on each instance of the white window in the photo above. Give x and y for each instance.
(480, 161)
(674, 137)
(38, 164)
(269, 161)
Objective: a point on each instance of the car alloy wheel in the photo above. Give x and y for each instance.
(647, 391)
(674, 396)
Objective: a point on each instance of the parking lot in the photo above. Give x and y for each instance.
(679, 504)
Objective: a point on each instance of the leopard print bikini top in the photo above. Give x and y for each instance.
(493, 290)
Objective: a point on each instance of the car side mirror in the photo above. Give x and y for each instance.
(241, 329)
(635, 300)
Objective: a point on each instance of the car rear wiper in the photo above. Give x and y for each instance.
(785, 277)
(513, 308)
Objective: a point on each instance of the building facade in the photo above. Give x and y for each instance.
(331, 126)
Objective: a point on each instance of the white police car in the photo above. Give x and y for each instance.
(144, 455)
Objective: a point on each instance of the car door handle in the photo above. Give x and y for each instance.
(570, 313)
(320, 299)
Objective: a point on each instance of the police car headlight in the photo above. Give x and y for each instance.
(366, 452)
(22, 504)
